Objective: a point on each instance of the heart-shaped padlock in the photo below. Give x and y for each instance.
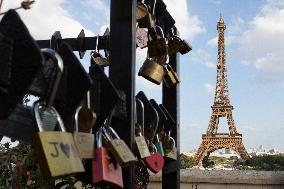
(154, 162)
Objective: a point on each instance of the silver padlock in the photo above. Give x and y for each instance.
(46, 112)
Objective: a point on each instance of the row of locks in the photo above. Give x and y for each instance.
(155, 68)
(56, 76)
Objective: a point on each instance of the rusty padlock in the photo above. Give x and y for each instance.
(106, 171)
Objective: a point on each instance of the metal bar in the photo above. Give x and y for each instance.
(20, 125)
(88, 44)
(122, 71)
(171, 101)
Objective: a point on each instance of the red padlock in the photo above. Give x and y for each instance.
(105, 169)
(154, 162)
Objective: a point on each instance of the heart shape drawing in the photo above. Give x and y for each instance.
(65, 149)
(155, 162)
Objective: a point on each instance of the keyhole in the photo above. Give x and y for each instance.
(156, 164)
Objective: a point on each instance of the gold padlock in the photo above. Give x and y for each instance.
(141, 11)
(141, 143)
(171, 78)
(56, 150)
(145, 16)
(157, 45)
(119, 148)
(86, 117)
(152, 71)
(169, 147)
(85, 142)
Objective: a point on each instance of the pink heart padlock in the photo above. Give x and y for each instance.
(154, 162)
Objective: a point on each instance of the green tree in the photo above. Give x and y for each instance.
(186, 161)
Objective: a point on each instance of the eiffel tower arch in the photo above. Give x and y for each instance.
(222, 107)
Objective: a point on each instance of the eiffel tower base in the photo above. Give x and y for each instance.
(211, 143)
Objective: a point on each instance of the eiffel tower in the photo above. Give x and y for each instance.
(222, 107)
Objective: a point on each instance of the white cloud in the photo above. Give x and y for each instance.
(46, 17)
(210, 88)
(236, 26)
(188, 25)
(97, 4)
(262, 45)
(202, 57)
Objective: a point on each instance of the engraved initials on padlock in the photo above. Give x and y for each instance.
(118, 148)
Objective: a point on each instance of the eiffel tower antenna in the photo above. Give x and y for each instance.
(222, 107)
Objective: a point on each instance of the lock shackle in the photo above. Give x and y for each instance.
(152, 148)
(97, 43)
(152, 6)
(160, 29)
(173, 141)
(88, 99)
(37, 106)
(113, 133)
(56, 58)
(99, 138)
(140, 105)
(155, 33)
(157, 119)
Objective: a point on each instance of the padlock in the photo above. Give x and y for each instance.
(141, 38)
(145, 16)
(174, 45)
(46, 113)
(141, 10)
(170, 149)
(185, 47)
(118, 148)
(105, 168)
(141, 144)
(159, 145)
(157, 45)
(86, 117)
(97, 57)
(56, 150)
(171, 78)
(152, 71)
(150, 130)
(154, 162)
(169, 146)
(85, 142)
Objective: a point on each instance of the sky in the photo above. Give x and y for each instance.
(255, 59)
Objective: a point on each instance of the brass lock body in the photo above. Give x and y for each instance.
(85, 142)
(145, 17)
(171, 78)
(157, 45)
(152, 71)
(119, 148)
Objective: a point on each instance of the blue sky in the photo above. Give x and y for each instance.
(255, 58)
